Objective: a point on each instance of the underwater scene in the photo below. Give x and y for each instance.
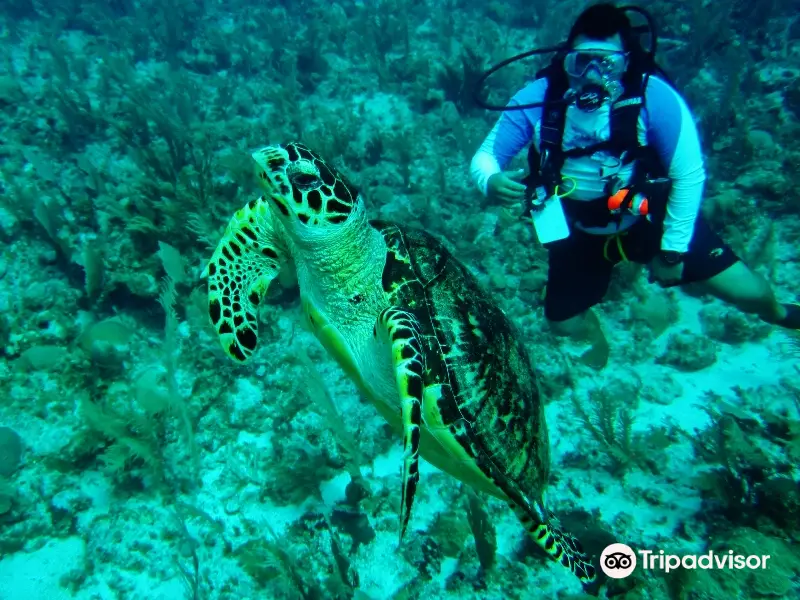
(394, 299)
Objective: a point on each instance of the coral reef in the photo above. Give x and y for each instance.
(137, 462)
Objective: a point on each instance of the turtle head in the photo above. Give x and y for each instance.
(303, 191)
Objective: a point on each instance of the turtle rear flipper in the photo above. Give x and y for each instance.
(399, 331)
(246, 260)
(559, 545)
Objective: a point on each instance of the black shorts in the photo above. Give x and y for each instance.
(580, 266)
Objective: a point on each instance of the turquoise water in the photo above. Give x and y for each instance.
(137, 460)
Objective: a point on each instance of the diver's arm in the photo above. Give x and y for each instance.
(485, 164)
(673, 133)
(510, 134)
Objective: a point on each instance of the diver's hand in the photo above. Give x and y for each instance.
(663, 274)
(505, 188)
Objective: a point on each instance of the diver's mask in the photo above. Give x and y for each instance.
(595, 70)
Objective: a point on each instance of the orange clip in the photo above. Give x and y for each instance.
(615, 201)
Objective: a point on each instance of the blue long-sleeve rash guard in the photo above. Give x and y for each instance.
(665, 122)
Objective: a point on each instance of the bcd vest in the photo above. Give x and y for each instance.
(545, 164)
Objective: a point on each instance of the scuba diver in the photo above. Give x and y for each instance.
(616, 173)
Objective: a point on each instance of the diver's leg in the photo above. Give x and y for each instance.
(578, 278)
(583, 327)
(586, 327)
(751, 293)
(718, 271)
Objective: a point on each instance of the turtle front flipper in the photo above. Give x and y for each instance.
(559, 545)
(399, 330)
(246, 260)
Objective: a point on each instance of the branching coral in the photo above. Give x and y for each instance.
(608, 414)
(132, 428)
(609, 419)
(267, 557)
(739, 465)
(177, 190)
(82, 116)
(458, 81)
(383, 23)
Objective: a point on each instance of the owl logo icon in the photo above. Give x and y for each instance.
(618, 561)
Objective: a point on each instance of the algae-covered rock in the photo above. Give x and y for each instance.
(732, 326)
(699, 584)
(773, 577)
(730, 581)
(779, 499)
(10, 451)
(7, 494)
(661, 389)
(451, 531)
(687, 351)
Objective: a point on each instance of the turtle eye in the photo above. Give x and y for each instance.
(304, 181)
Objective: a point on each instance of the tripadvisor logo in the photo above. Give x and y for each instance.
(619, 561)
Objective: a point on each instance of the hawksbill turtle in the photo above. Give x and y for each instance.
(407, 322)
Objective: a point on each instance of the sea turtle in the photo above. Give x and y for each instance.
(407, 322)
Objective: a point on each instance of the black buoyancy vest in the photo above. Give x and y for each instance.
(545, 164)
